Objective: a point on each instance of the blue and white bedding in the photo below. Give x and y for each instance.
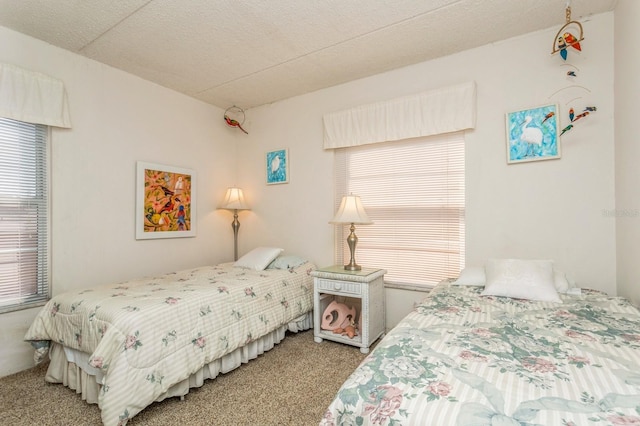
(465, 359)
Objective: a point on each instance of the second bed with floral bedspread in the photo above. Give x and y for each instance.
(465, 359)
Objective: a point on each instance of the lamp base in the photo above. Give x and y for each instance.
(235, 225)
(352, 240)
(352, 267)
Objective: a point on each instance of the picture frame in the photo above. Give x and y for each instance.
(277, 166)
(165, 201)
(533, 134)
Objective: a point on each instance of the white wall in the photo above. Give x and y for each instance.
(545, 209)
(117, 120)
(627, 93)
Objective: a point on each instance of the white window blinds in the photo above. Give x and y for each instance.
(23, 214)
(413, 191)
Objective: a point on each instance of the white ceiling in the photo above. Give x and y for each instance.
(253, 52)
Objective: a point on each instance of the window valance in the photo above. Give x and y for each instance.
(434, 112)
(32, 97)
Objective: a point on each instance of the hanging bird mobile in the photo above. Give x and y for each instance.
(564, 39)
(234, 117)
(569, 37)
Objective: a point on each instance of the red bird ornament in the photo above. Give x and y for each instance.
(571, 41)
(234, 123)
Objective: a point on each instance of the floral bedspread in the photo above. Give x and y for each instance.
(149, 334)
(464, 359)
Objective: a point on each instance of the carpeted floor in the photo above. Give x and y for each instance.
(292, 384)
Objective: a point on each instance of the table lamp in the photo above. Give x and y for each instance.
(351, 211)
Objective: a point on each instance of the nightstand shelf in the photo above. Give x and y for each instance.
(363, 289)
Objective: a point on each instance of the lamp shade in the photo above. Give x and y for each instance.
(351, 211)
(234, 200)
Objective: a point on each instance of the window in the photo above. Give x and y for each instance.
(23, 215)
(413, 191)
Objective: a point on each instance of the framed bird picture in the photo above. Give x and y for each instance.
(277, 166)
(165, 201)
(533, 134)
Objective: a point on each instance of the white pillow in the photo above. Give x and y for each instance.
(561, 282)
(475, 275)
(471, 275)
(258, 258)
(521, 279)
(286, 262)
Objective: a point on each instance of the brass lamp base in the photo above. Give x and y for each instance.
(352, 240)
(235, 225)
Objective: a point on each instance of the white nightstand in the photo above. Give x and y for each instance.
(363, 289)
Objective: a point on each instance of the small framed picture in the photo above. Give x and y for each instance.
(277, 166)
(165, 201)
(532, 134)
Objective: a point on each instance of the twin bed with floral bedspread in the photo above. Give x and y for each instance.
(126, 345)
(464, 358)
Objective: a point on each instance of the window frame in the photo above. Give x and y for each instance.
(40, 136)
(367, 240)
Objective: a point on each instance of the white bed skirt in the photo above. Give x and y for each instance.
(66, 368)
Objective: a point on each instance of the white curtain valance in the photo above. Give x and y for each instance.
(434, 112)
(32, 97)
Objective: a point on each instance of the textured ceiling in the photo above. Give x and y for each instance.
(253, 52)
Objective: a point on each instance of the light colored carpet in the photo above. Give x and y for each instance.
(292, 384)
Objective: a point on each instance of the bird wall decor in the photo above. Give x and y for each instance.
(234, 117)
(565, 39)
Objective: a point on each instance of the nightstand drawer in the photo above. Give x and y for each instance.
(345, 287)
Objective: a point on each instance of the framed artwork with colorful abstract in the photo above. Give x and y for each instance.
(278, 166)
(165, 201)
(532, 134)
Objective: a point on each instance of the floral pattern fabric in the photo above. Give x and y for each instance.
(149, 334)
(465, 359)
